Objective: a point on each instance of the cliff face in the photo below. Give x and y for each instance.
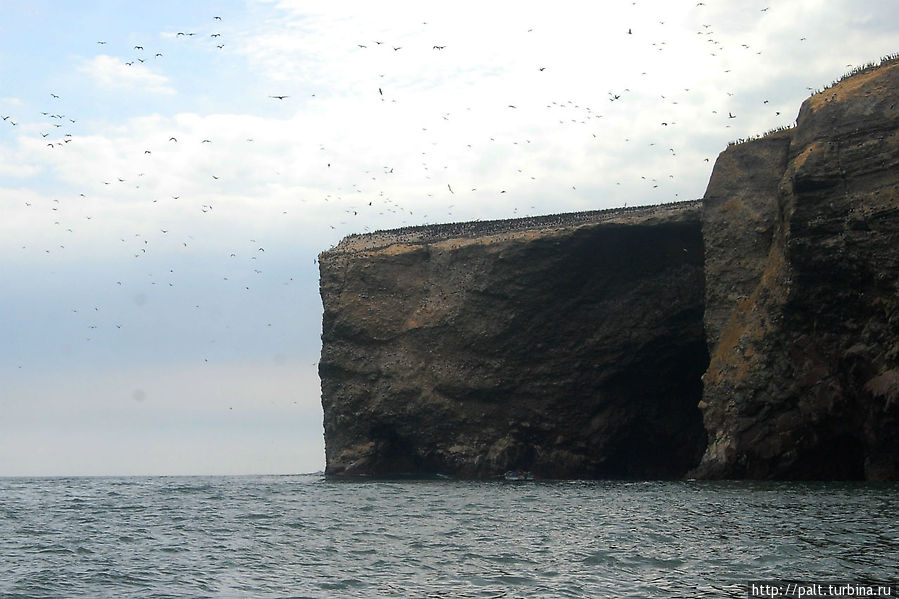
(573, 346)
(569, 346)
(802, 265)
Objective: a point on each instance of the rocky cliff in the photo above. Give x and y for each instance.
(575, 345)
(569, 346)
(801, 236)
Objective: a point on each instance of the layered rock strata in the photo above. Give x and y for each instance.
(801, 236)
(568, 346)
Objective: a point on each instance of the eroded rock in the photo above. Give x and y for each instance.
(802, 266)
(568, 346)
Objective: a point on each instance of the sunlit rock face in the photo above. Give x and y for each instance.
(802, 263)
(567, 346)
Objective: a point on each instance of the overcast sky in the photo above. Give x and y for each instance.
(162, 209)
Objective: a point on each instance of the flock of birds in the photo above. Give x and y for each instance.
(363, 198)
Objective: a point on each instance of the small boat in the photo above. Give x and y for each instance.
(518, 475)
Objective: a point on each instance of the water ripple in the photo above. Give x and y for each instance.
(306, 536)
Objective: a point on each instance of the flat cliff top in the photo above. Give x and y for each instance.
(489, 231)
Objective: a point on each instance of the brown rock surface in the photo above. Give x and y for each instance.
(569, 346)
(572, 345)
(802, 268)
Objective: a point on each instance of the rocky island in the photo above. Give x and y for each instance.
(752, 334)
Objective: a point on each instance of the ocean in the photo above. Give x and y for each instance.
(310, 536)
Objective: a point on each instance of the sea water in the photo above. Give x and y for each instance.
(310, 536)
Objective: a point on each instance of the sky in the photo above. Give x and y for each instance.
(169, 172)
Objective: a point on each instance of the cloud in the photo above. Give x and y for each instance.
(13, 165)
(126, 247)
(113, 73)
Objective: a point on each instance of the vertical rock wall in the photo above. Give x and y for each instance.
(569, 349)
(802, 267)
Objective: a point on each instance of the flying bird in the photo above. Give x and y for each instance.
(279, 97)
